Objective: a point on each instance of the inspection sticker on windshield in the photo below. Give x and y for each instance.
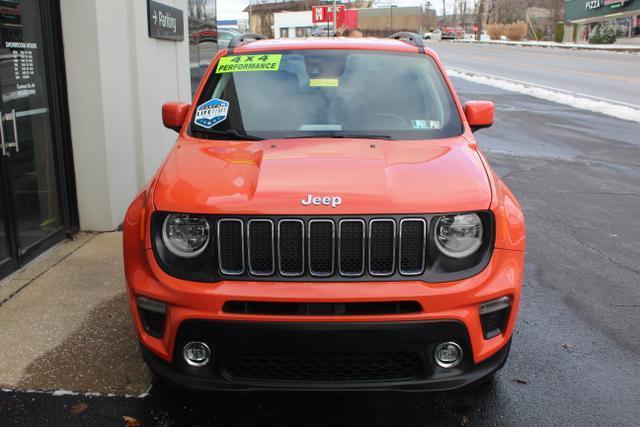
(323, 82)
(232, 64)
(211, 113)
(425, 124)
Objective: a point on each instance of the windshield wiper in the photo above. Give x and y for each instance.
(229, 134)
(342, 135)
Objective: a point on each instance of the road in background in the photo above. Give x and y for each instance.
(609, 75)
(574, 359)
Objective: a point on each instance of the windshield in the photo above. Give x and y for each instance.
(317, 93)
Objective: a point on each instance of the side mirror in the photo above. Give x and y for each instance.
(479, 114)
(174, 114)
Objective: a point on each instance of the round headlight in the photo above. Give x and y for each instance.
(185, 235)
(458, 236)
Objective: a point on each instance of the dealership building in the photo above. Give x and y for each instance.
(82, 85)
(584, 16)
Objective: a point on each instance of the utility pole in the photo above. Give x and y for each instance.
(250, 13)
(444, 13)
(335, 19)
(391, 16)
(480, 19)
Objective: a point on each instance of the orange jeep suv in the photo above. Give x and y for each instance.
(325, 221)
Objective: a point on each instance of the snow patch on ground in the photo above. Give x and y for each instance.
(566, 98)
(63, 392)
(602, 47)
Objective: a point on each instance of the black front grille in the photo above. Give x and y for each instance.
(321, 247)
(320, 367)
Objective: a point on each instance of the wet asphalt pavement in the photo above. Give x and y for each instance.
(575, 354)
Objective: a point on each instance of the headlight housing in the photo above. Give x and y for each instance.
(458, 235)
(185, 235)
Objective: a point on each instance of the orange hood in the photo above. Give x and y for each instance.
(370, 177)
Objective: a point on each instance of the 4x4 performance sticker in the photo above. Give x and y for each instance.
(211, 113)
(232, 64)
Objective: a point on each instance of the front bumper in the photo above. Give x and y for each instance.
(450, 311)
(252, 356)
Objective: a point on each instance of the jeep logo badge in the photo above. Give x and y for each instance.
(332, 201)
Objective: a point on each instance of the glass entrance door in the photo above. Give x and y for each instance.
(30, 207)
(8, 261)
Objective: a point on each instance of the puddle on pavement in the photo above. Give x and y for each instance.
(102, 356)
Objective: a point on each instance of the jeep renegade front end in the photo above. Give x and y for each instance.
(325, 221)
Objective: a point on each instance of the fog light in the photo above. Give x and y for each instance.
(196, 354)
(448, 355)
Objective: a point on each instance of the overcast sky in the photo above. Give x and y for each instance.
(232, 9)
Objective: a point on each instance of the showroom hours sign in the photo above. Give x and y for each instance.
(24, 71)
(165, 22)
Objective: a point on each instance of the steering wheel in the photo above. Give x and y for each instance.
(390, 116)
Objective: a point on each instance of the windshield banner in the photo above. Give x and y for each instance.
(232, 64)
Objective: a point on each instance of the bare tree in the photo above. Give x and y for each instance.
(480, 21)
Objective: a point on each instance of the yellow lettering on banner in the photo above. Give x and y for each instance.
(324, 82)
(257, 62)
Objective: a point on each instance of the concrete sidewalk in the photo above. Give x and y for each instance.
(65, 322)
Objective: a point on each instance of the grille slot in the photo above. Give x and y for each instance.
(319, 366)
(382, 247)
(231, 246)
(413, 238)
(261, 247)
(291, 247)
(351, 244)
(321, 247)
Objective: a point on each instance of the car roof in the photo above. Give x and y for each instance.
(312, 43)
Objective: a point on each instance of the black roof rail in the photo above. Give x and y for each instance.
(245, 38)
(411, 38)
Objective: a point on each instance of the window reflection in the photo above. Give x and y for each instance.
(203, 38)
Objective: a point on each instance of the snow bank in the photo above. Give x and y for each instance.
(581, 101)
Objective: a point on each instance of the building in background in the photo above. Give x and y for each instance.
(378, 22)
(82, 83)
(203, 38)
(383, 21)
(261, 19)
(292, 24)
(583, 16)
(229, 24)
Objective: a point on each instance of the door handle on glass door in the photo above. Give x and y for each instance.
(15, 129)
(2, 144)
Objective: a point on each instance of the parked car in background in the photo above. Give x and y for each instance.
(433, 35)
(448, 34)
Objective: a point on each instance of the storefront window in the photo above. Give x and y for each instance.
(203, 38)
(284, 33)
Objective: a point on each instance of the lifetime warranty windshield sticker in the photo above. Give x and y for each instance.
(232, 64)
